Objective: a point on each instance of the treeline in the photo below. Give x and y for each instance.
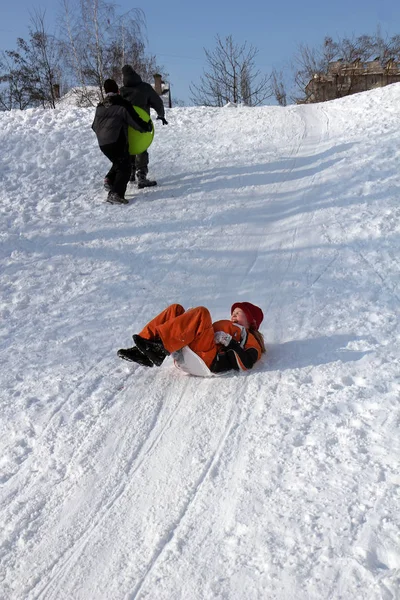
(309, 61)
(231, 75)
(95, 41)
(93, 44)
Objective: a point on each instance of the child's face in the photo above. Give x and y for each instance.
(239, 316)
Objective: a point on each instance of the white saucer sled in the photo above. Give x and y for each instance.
(190, 363)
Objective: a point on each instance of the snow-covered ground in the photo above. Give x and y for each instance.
(119, 482)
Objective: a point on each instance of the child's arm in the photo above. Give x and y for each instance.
(234, 357)
(132, 112)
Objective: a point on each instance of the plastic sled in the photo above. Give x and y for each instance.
(190, 363)
(139, 142)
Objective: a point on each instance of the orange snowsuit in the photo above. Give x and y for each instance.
(194, 328)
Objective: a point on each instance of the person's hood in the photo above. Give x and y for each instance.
(129, 77)
(109, 99)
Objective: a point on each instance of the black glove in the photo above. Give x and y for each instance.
(149, 126)
(164, 121)
(224, 361)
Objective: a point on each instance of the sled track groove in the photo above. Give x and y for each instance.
(232, 425)
(237, 419)
(145, 449)
(82, 390)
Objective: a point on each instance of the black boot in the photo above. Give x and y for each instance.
(143, 182)
(134, 355)
(153, 349)
(114, 198)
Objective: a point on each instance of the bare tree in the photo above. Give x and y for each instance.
(309, 61)
(98, 42)
(278, 87)
(85, 26)
(352, 52)
(231, 76)
(16, 82)
(385, 47)
(127, 46)
(31, 72)
(131, 52)
(44, 55)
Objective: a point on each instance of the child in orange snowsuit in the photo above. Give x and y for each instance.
(223, 345)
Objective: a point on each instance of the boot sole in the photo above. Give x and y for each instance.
(141, 186)
(117, 202)
(144, 361)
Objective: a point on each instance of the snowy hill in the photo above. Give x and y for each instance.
(121, 482)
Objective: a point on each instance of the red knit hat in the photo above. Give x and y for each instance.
(253, 313)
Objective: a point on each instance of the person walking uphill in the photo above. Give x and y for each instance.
(224, 345)
(110, 125)
(141, 94)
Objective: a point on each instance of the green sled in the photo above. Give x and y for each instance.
(139, 142)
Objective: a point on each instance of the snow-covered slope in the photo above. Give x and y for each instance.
(121, 482)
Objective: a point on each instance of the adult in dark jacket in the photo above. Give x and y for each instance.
(110, 124)
(139, 93)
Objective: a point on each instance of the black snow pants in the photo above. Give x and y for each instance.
(140, 164)
(121, 166)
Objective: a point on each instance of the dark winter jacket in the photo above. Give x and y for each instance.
(112, 118)
(139, 93)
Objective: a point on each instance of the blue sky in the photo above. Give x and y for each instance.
(178, 30)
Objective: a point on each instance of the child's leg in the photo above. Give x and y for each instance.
(192, 328)
(142, 164)
(111, 174)
(122, 169)
(133, 168)
(149, 332)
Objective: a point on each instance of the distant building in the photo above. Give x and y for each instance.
(344, 79)
(163, 89)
